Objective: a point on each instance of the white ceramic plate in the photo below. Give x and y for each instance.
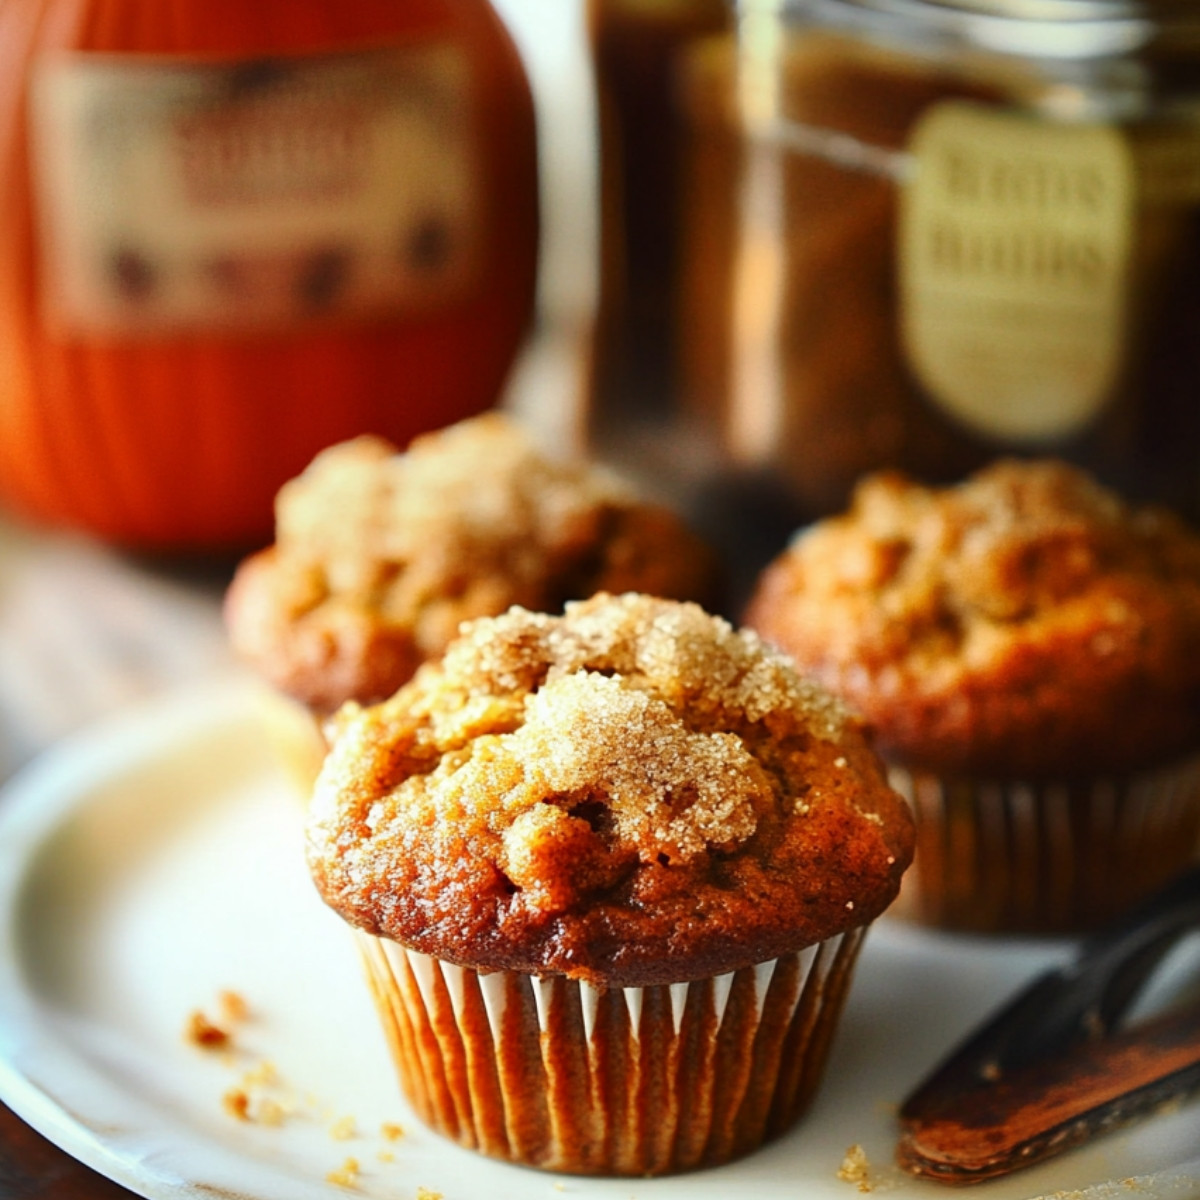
(155, 862)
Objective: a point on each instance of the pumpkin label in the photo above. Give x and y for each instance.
(253, 195)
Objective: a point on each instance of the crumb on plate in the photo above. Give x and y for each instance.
(855, 1168)
(233, 1006)
(343, 1129)
(346, 1175)
(262, 1074)
(202, 1032)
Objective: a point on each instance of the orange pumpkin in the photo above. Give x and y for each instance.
(168, 418)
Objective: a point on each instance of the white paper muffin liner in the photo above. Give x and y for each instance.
(1062, 857)
(560, 1075)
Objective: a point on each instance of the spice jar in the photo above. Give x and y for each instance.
(236, 233)
(924, 233)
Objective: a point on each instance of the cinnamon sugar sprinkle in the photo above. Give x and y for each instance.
(616, 675)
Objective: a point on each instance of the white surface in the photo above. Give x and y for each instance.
(151, 863)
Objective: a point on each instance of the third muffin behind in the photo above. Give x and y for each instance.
(1026, 646)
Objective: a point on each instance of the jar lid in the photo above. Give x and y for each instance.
(1039, 28)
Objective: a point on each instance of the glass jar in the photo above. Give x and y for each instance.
(637, 47)
(238, 232)
(925, 233)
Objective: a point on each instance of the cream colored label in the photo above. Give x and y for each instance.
(253, 195)
(1015, 238)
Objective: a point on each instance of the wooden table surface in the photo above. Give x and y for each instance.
(31, 1168)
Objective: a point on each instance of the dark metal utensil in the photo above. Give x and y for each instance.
(1055, 1066)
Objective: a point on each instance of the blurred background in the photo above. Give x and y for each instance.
(110, 580)
(742, 251)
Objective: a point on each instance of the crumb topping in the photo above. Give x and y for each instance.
(953, 569)
(479, 486)
(961, 619)
(380, 555)
(534, 796)
(343, 1129)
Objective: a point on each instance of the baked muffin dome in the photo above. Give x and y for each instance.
(631, 793)
(1025, 623)
(380, 555)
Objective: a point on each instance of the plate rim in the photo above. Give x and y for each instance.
(35, 802)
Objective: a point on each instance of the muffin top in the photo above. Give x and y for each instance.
(380, 555)
(1024, 623)
(631, 793)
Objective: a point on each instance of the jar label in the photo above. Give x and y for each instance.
(1014, 247)
(253, 195)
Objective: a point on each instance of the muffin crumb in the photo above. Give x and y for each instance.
(258, 1096)
(272, 1112)
(343, 1129)
(236, 1102)
(346, 1175)
(262, 1074)
(208, 1034)
(855, 1168)
(202, 1032)
(391, 1131)
(233, 1006)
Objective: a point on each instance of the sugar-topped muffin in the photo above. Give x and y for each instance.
(1025, 627)
(380, 554)
(630, 810)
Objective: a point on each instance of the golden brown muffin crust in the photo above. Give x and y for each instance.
(379, 556)
(1026, 622)
(631, 793)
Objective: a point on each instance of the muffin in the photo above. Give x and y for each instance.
(610, 871)
(1025, 647)
(380, 555)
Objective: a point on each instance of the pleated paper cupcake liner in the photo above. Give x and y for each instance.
(560, 1075)
(1026, 857)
